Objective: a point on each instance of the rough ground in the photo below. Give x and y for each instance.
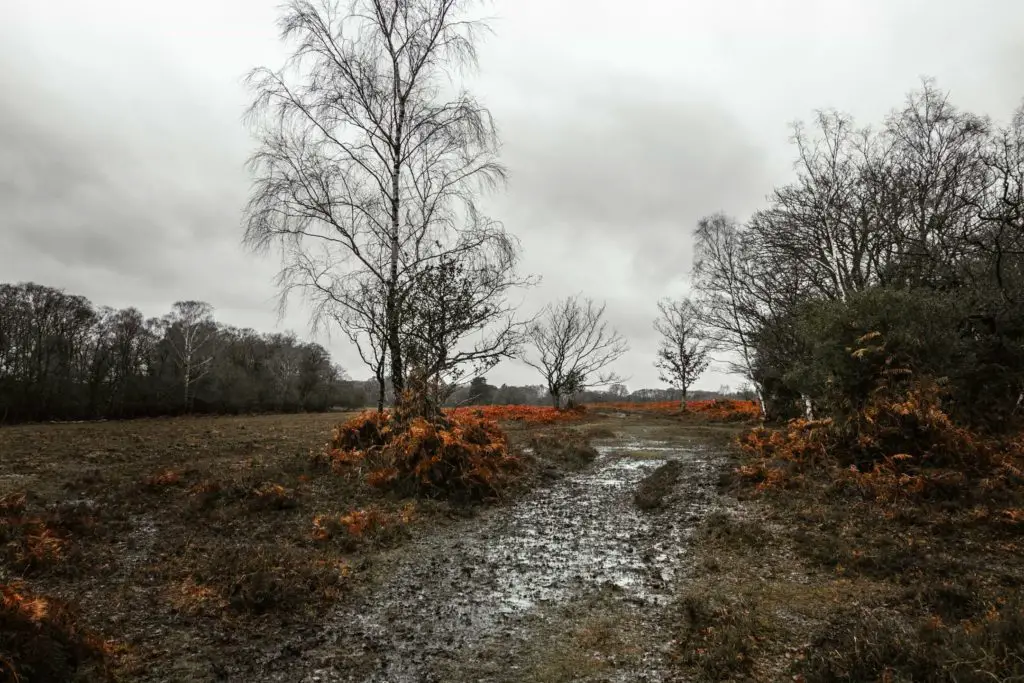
(188, 544)
(565, 584)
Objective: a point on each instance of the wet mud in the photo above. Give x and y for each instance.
(484, 599)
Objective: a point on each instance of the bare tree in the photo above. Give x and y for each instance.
(360, 313)
(192, 333)
(684, 353)
(573, 346)
(726, 304)
(367, 169)
(459, 317)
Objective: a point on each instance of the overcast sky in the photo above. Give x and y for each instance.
(122, 148)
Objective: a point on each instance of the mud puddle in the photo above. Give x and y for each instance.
(488, 588)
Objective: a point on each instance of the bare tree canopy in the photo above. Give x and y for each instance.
(684, 353)
(573, 347)
(369, 167)
(929, 202)
(726, 284)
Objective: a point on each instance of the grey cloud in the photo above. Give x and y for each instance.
(121, 155)
(628, 164)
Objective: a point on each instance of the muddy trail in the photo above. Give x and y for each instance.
(567, 583)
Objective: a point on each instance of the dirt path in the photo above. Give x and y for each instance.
(565, 584)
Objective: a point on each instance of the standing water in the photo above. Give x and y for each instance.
(462, 591)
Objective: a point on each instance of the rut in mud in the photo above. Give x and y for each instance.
(482, 590)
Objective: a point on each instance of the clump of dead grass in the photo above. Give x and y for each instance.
(34, 542)
(872, 645)
(655, 487)
(163, 479)
(717, 637)
(257, 579)
(564, 447)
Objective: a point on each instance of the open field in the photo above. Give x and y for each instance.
(191, 548)
(220, 549)
(178, 537)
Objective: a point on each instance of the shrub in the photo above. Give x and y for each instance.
(977, 343)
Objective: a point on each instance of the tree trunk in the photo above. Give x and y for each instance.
(556, 400)
(393, 328)
(808, 409)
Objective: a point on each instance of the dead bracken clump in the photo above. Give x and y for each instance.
(725, 410)
(446, 456)
(374, 525)
(39, 542)
(900, 445)
(40, 641)
(523, 413)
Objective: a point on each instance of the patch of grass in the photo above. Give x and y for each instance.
(865, 645)
(655, 487)
(564, 448)
(717, 637)
(587, 649)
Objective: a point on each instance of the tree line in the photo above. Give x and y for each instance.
(62, 358)
(904, 239)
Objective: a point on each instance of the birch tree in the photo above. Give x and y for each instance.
(370, 157)
(192, 334)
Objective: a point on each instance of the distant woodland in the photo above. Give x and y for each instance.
(61, 357)
(64, 358)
